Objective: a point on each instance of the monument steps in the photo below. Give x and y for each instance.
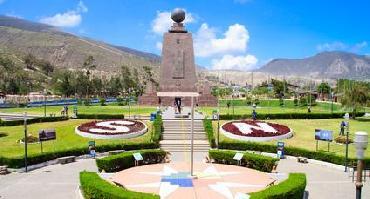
(183, 137)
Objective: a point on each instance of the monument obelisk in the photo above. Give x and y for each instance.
(177, 71)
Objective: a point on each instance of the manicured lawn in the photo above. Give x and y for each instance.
(66, 138)
(134, 110)
(304, 134)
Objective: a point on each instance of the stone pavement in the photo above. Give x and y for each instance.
(15, 116)
(55, 181)
(324, 182)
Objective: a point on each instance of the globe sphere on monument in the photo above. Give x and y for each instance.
(178, 15)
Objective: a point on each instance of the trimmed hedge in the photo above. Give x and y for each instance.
(32, 121)
(263, 116)
(157, 129)
(292, 188)
(100, 116)
(18, 162)
(94, 187)
(126, 160)
(207, 123)
(293, 151)
(250, 160)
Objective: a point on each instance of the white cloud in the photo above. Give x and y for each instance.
(247, 62)
(234, 40)
(359, 46)
(163, 22)
(336, 45)
(158, 45)
(71, 18)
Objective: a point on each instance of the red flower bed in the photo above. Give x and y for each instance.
(256, 132)
(135, 127)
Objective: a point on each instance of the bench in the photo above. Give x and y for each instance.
(302, 160)
(116, 152)
(4, 170)
(66, 160)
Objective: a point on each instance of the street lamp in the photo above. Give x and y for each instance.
(45, 93)
(361, 141)
(346, 117)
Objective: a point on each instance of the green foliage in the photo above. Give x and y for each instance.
(100, 116)
(250, 160)
(207, 123)
(293, 151)
(292, 188)
(356, 96)
(263, 116)
(115, 163)
(32, 121)
(102, 101)
(94, 187)
(260, 90)
(295, 101)
(157, 129)
(18, 162)
(280, 87)
(323, 88)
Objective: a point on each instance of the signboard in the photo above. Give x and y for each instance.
(138, 156)
(280, 150)
(238, 156)
(215, 116)
(47, 134)
(323, 135)
(346, 116)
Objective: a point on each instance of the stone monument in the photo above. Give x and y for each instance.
(177, 71)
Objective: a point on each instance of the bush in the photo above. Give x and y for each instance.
(157, 129)
(207, 123)
(126, 160)
(32, 121)
(343, 139)
(263, 116)
(100, 116)
(94, 187)
(18, 162)
(293, 151)
(292, 188)
(250, 160)
(102, 101)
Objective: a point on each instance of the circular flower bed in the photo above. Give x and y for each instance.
(112, 129)
(253, 130)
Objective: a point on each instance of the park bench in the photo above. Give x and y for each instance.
(66, 160)
(116, 152)
(4, 170)
(302, 160)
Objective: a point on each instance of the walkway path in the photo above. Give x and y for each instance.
(324, 182)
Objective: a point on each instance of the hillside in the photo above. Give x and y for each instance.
(19, 37)
(333, 64)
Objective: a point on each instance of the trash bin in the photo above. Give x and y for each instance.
(153, 116)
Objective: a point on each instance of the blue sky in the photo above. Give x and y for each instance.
(228, 34)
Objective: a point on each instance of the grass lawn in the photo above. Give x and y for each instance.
(134, 110)
(304, 136)
(66, 138)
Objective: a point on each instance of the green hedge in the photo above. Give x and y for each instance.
(94, 187)
(263, 116)
(250, 160)
(157, 129)
(292, 188)
(100, 116)
(18, 162)
(32, 121)
(207, 123)
(126, 160)
(293, 151)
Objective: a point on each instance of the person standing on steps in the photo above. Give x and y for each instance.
(178, 104)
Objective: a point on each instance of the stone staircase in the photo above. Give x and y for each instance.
(177, 136)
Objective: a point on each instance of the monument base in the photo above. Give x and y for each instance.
(149, 99)
(153, 100)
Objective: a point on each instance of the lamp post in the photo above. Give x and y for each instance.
(45, 93)
(25, 141)
(346, 117)
(361, 141)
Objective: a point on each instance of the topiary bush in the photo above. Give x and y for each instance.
(126, 160)
(207, 123)
(100, 116)
(250, 160)
(157, 129)
(94, 187)
(263, 116)
(292, 188)
(32, 121)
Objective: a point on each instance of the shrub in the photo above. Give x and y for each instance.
(100, 116)
(250, 160)
(262, 116)
(94, 187)
(157, 129)
(207, 123)
(102, 101)
(32, 121)
(2, 134)
(126, 160)
(18, 162)
(343, 139)
(292, 188)
(293, 151)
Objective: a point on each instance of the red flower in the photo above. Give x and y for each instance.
(231, 128)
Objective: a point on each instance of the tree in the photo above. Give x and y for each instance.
(46, 67)
(323, 88)
(88, 65)
(30, 61)
(355, 97)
